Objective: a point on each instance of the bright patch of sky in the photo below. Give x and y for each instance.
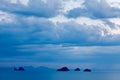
(71, 4)
(24, 2)
(114, 3)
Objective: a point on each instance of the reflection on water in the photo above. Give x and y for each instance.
(54, 75)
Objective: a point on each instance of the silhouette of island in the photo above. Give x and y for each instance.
(87, 70)
(48, 69)
(19, 69)
(15, 69)
(77, 69)
(63, 69)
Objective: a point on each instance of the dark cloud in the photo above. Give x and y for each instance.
(36, 8)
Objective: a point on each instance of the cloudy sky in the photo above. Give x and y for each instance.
(54, 33)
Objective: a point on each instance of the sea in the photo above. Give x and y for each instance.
(55, 75)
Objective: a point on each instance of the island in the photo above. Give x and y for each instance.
(87, 70)
(63, 69)
(19, 69)
(77, 69)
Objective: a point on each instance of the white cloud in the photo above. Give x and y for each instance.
(95, 9)
(114, 3)
(68, 5)
(93, 30)
(56, 30)
(6, 17)
(24, 2)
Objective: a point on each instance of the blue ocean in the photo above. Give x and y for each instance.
(55, 75)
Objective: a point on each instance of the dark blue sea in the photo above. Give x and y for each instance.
(54, 75)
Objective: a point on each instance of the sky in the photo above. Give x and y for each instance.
(54, 33)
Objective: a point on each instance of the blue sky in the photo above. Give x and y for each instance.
(54, 33)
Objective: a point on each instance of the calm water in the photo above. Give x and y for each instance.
(54, 75)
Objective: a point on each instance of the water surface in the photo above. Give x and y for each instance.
(54, 75)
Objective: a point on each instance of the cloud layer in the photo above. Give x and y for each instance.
(49, 31)
(83, 29)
